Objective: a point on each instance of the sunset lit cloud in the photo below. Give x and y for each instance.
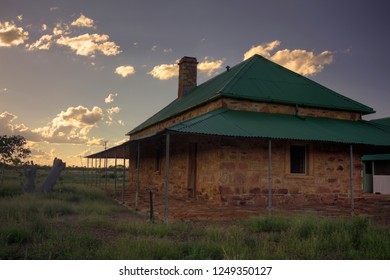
(83, 21)
(125, 70)
(301, 61)
(61, 29)
(11, 35)
(43, 43)
(89, 44)
(110, 98)
(165, 71)
(110, 113)
(71, 126)
(207, 67)
(9, 127)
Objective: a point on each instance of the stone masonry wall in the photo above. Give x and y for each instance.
(234, 171)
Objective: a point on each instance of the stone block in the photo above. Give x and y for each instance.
(260, 200)
(328, 199)
(225, 192)
(230, 166)
(298, 199)
(256, 190)
(323, 189)
(281, 191)
(239, 178)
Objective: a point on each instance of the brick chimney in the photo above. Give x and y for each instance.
(187, 75)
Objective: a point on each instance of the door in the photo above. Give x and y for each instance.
(192, 170)
(367, 177)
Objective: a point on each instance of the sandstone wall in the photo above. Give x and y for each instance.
(234, 171)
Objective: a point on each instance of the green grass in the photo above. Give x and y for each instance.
(75, 221)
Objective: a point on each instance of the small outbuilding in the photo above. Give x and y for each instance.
(376, 173)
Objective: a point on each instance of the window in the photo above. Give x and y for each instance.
(382, 167)
(298, 159)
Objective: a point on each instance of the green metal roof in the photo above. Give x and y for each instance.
(226, 122)
(259, 79)
(382, 123)
(376, 157)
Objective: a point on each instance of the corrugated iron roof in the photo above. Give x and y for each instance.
(376, 157)
(226, 122)
(382, 123)
(259, 79)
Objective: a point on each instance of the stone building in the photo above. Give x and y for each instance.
(257, 134)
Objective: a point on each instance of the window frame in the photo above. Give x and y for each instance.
(308, 161)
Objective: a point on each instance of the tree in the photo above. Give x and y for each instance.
(13, 151)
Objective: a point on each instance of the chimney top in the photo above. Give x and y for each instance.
(187, 75)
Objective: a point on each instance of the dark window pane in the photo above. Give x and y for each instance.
(298, 159)
(382, 167)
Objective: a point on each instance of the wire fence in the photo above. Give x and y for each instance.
(13, 179)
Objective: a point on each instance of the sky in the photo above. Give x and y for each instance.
(78, 75)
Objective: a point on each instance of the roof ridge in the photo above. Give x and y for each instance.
(331, 91)
(244, 67)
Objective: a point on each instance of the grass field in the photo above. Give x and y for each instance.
(83, 222)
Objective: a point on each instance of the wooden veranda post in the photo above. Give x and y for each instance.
(167, 145)
(269, 176)
(351, 179)
(115, 174)
(124, 175)
(106, 170)
(87, 180)
(96, 173)
(138, 167)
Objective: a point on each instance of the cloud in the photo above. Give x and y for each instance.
(44, 27)
(165, 71)
(263, 50)
(71, 126)
(110, 98)
(20, 17)
(3, 90)
(169, 50)
(110, 113)
(83, 21)
(120, 142)
(209, 67)
(301, 61)
(125, 70)
(6, 120)
(43, 43)
(8, 127)
(11, 35)
(61, 29)
(89, 44)
(154, 48)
